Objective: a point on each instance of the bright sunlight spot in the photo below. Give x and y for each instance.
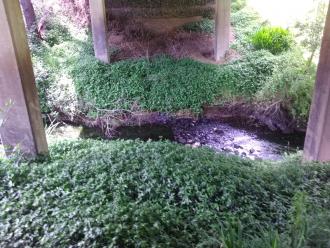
(283, 13)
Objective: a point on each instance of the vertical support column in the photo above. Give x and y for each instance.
(29, 15)
(21, 118)
(317, 143)
(99, 29)
(222, 28)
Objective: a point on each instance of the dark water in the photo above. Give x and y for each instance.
(235, 138)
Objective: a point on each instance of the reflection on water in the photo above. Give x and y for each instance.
(245, 142)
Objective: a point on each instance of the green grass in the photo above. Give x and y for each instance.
(135, 194)
(274, 39)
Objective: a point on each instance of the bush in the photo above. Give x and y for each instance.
(56, 33)
(273, 39)
(134, 194)
(291, 83)
(245, 22)
(244, 77)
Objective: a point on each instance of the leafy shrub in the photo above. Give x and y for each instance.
(134, 194)
(318, 231)
(56, 33)
(273, 39)
(246, 76)
(245, 22)
(291, 83)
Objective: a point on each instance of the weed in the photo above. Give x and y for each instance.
(274, 39)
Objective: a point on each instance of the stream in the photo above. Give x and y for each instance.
(255, 143)
(234, 138)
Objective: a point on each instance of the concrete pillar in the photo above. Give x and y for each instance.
(99, 29)
(222, 28)
(21, 124)
(317, 143)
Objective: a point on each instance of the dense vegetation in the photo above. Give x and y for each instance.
(274, 39)
(135, 194)
(159, 194)
(67, 70)
(165, 84)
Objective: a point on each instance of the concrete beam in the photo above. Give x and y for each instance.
(317, 142)
(21, 122)
(99, 29)
(222, 28)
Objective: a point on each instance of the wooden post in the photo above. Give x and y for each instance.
(99, 29)
(317, 142)
(21, 123)
(222, 28)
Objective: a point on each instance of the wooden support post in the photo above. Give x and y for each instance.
(317, 142)
(99, 29)
(21, 124)
(222, 28)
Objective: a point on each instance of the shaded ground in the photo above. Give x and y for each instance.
(148, 37)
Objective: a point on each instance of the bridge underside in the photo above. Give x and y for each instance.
(20, 112)
(100, 36)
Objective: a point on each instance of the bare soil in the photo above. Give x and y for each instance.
(149, 37)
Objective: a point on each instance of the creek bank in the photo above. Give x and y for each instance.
(241, 115)
(274, 116)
